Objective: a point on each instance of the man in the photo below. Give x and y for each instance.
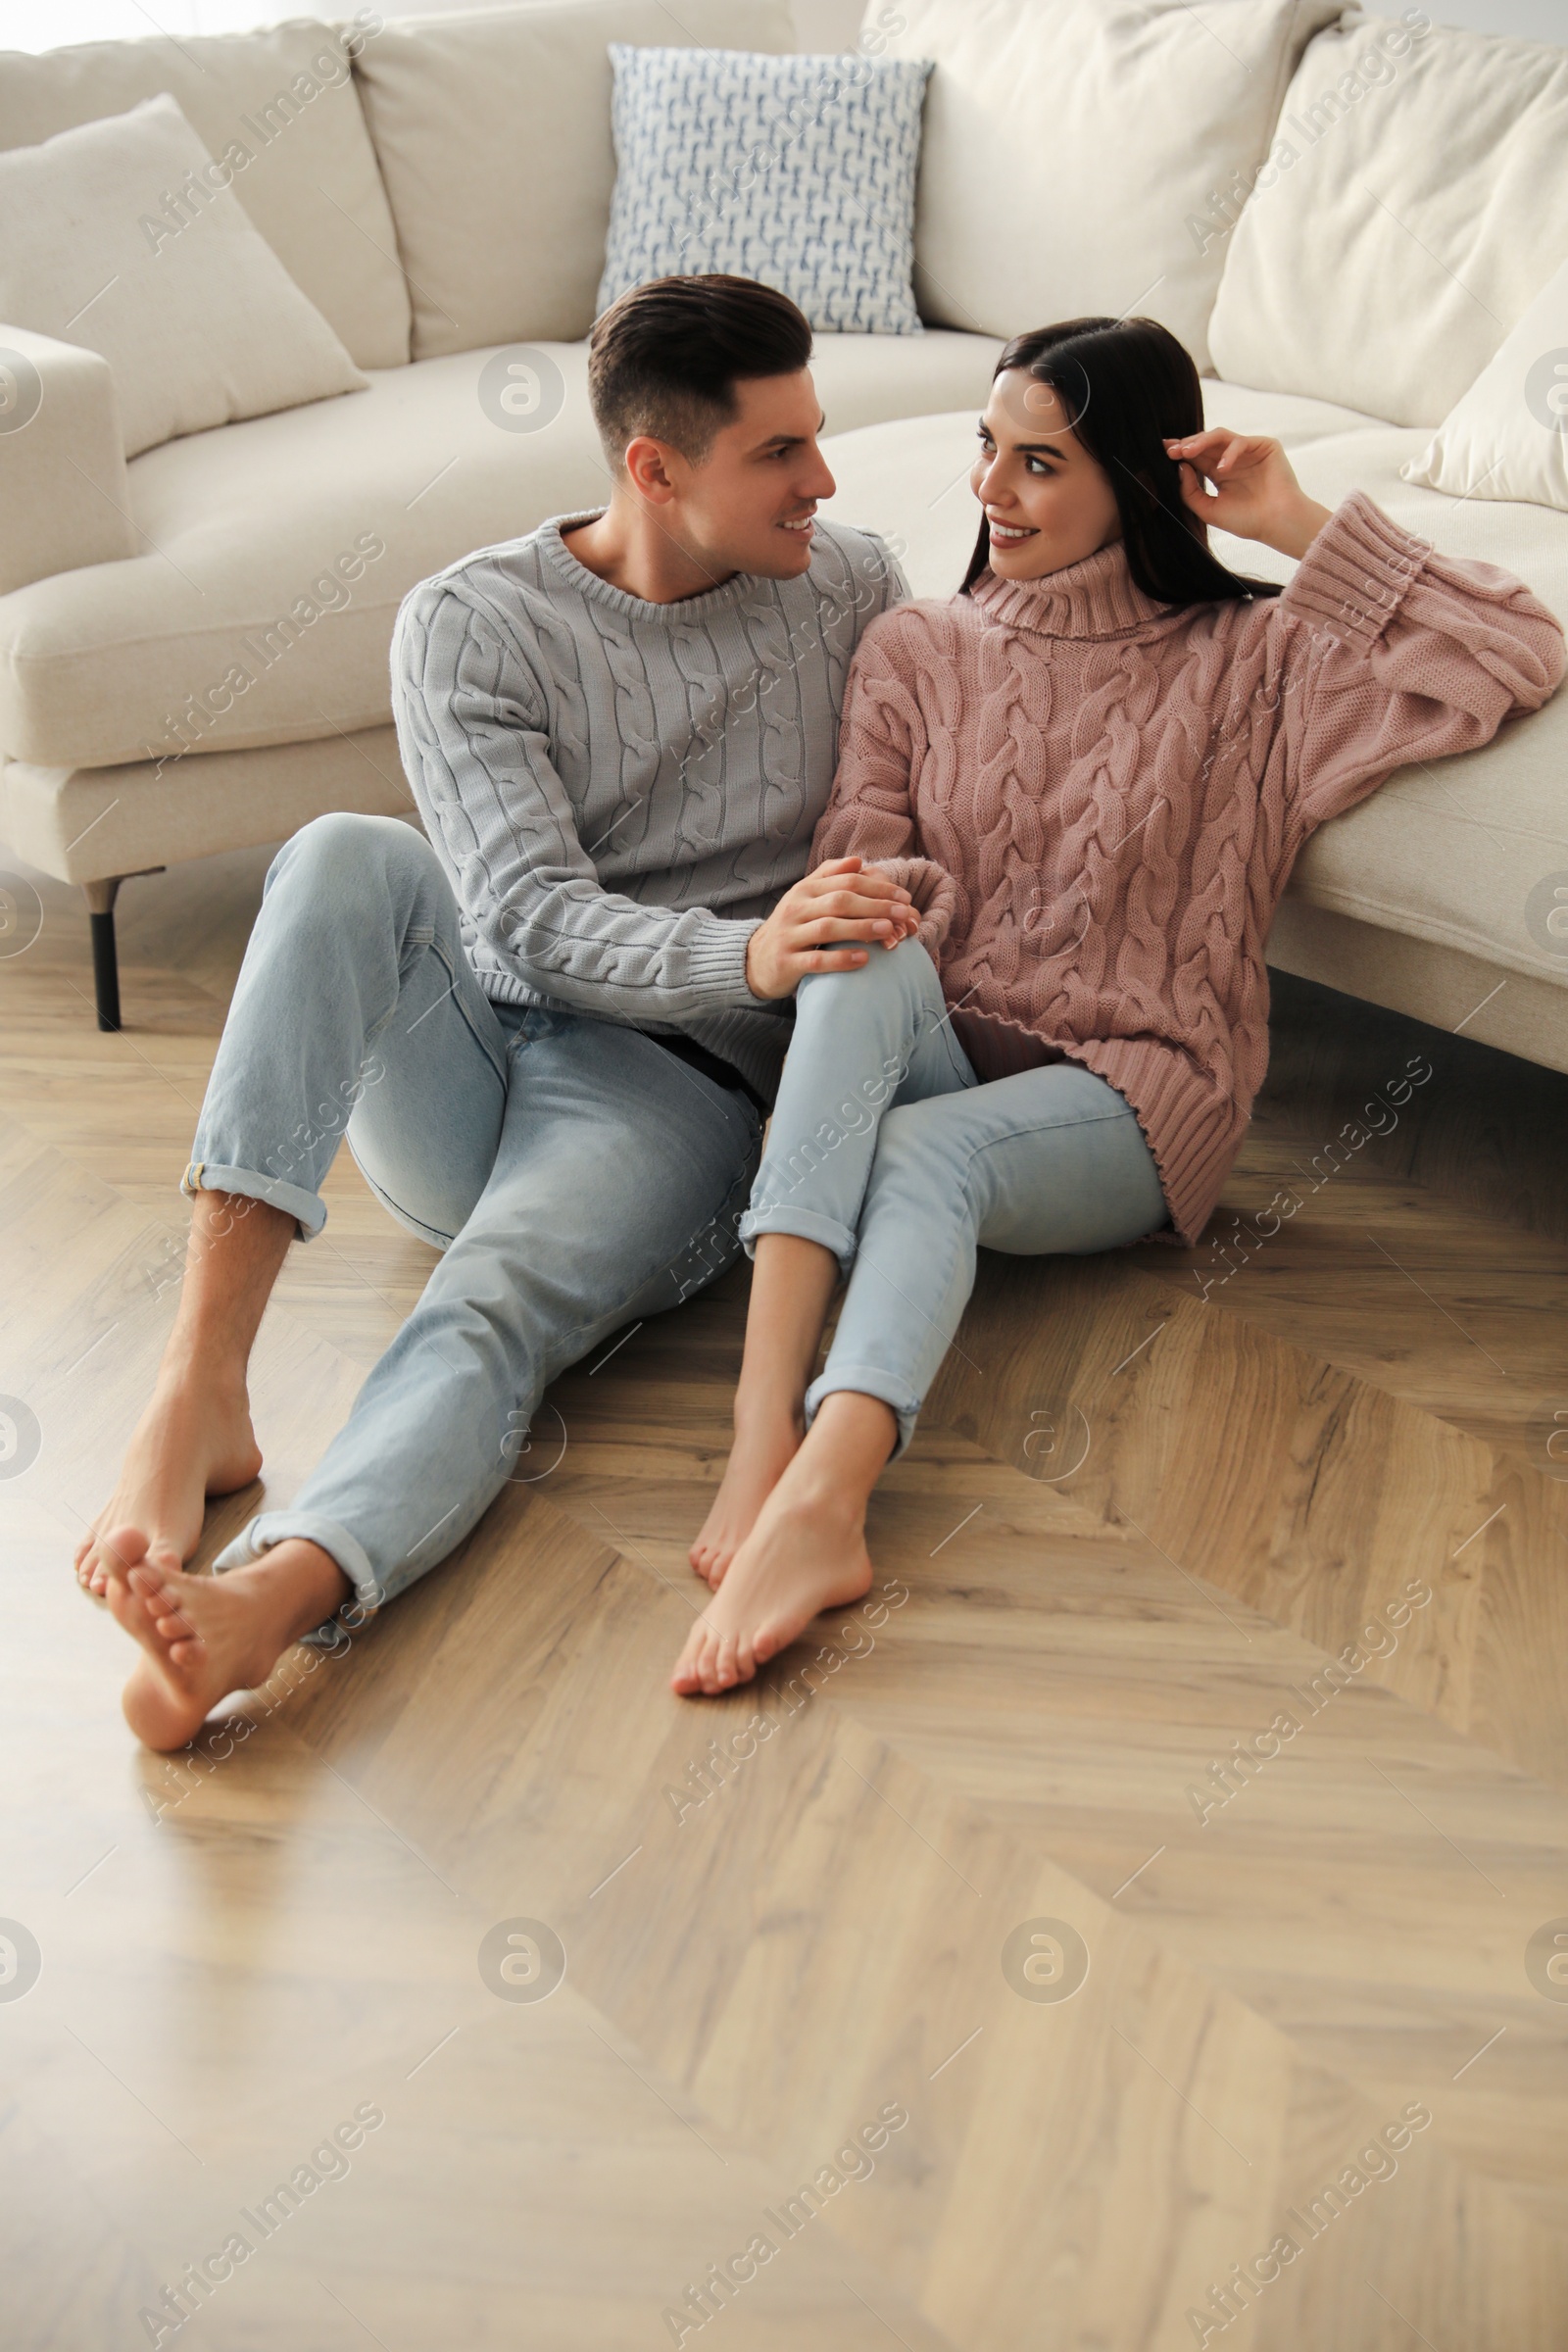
(550, 1030)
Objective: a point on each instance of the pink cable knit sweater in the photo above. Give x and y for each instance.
(1095, 799)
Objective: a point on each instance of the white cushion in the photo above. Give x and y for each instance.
(199, 325)
(249, 532)
(1067, 143)
(1424, 208)
(493, 134)
(285, 95)
(1509, 436)
(1448, 853)
(798, 170)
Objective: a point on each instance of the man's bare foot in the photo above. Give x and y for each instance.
(766, 1445)
(194, 1440)
(806, 1553)
(203, 1636)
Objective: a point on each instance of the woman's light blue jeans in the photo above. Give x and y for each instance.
(574, 1175)
(887, 1150)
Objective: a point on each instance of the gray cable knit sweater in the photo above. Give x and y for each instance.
(620, 790)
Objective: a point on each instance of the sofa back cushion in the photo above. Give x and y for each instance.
(286, 98)
(1423, 206)
(1069, 142)
(493, 131)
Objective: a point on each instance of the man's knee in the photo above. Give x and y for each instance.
(342, 850)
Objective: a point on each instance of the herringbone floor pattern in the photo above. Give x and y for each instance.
(1219, 1650)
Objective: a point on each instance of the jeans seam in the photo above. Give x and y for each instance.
(434, 946)
(437, 1241)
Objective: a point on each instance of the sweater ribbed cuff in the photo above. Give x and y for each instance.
(715, 968)
(1354, 576)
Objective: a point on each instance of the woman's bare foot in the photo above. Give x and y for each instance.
(194, 1440)
(806, 1553)
(766, 1445)
(203, 1636)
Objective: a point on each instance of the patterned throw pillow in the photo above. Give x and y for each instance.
(798, 170)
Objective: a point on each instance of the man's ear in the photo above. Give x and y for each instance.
(646, 462)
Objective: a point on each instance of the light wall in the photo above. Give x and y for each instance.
(829, 24)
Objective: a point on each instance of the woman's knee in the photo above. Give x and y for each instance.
(901, 973)
(915, 1152)
(866, 1023)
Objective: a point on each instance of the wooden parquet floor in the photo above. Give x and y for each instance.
(1164, 1866)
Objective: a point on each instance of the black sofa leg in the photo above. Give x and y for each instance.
(105, 969)
(101, 897)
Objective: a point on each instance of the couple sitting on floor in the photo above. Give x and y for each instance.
(995, 868)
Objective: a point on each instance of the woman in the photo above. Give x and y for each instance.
(1092, 769)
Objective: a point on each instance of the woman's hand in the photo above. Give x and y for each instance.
(1252, 491)
(841, 901)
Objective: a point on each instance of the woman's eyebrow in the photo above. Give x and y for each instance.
(1032, 449)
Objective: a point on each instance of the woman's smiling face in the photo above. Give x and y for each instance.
(1047, 501)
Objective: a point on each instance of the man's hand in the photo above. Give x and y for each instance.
(841, 901)
(1244, 484)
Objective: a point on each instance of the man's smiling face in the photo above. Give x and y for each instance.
(747, 504)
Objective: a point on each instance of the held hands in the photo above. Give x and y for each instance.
(1250, 489)
(841, 902)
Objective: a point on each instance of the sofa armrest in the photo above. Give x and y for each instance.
(64, 497)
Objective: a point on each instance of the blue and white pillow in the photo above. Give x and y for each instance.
(797, 171)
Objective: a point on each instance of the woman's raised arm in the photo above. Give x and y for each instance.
(1391, 651)
(1379, 650)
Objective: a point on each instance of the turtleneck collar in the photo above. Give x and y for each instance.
(1095, 598)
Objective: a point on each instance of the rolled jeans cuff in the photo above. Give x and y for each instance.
(276, 1527)
(306, 1208)
(868, 1380)
(805, 1224)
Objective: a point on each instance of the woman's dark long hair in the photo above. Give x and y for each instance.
(1125, 384)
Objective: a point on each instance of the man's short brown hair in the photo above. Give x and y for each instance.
(666, 358)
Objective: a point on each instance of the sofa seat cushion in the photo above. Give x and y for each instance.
(257, 539)
(1450, 853)
(281, 105)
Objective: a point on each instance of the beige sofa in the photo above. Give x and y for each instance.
(446, 210)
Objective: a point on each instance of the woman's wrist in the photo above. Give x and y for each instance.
(1295, 530)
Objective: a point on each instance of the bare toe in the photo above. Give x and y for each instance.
(805, 1554)
(764, 1446)
(688, 1674)
(194, 1440)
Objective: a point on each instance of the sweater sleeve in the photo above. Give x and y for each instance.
(472, 732)
(870, 812)
(1382, 650)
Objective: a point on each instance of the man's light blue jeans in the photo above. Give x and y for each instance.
(575, 1175)
(887, 1150)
